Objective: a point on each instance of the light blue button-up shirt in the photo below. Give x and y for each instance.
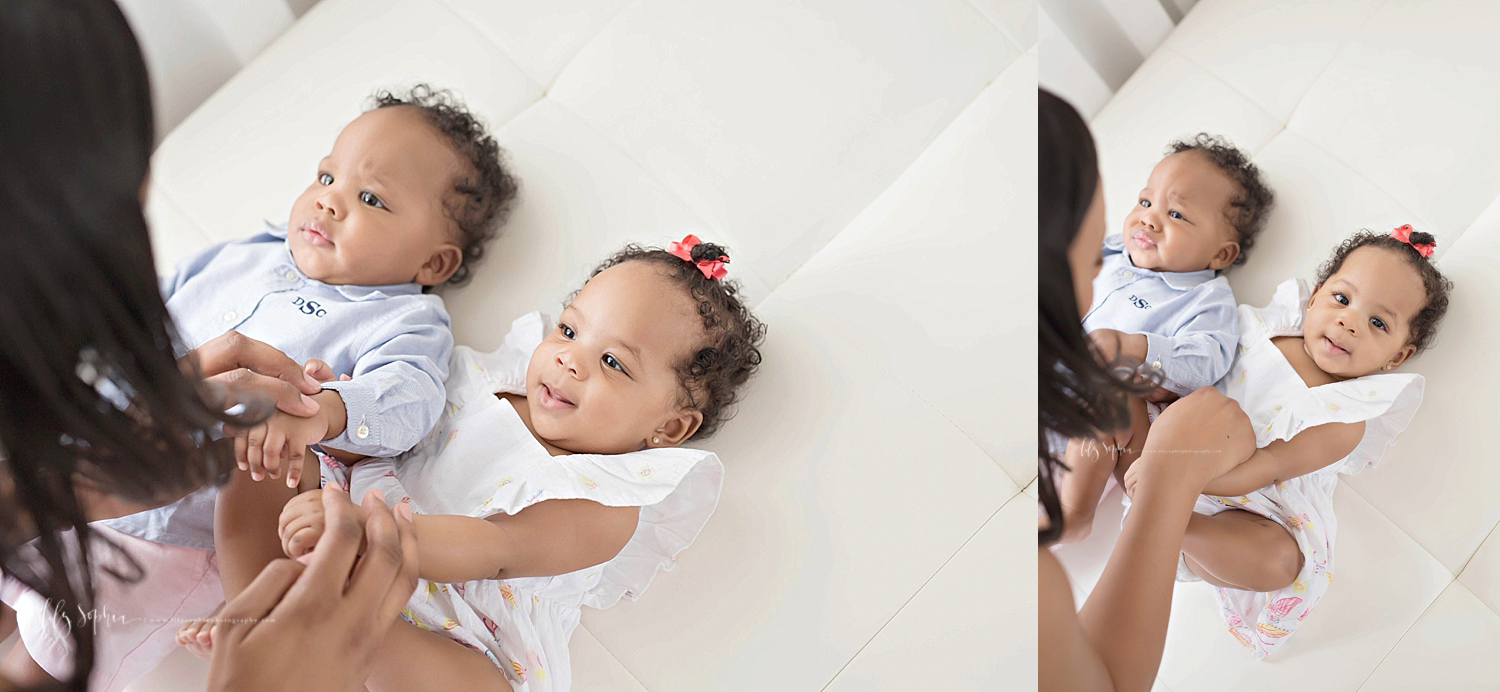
(394, 341)
(1189, 318)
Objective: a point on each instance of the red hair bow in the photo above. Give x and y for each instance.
(1403, 234)
(713, 270)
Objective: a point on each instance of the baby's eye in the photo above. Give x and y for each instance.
(1341, 298)
(612, 362)
(369, 198)
(325, 178)
(567, 331)
(1146, 203)
(1379, 323)
(1175, 214)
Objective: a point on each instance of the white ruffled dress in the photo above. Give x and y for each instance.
(1280, 405)
(481, 460)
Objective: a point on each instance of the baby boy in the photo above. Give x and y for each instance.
(406, 200)
(1159, 299)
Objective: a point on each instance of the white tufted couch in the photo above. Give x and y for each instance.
(1361, 113)
(869, 163)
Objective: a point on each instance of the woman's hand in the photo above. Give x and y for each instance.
(320, 612)
(1194, 441)
(248, 369)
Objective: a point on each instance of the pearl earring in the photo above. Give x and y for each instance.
(656, 440)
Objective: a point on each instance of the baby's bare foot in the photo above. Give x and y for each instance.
(197, 636)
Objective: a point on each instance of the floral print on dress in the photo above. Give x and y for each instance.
(1281, 405)
(492, 465)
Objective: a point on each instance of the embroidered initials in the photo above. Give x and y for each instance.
(1140, 303)
(309, 307)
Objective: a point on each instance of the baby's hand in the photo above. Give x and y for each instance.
(1113, 343)
(1106, 344)
(301, 524)
(278, 445)
(321, 371)
(290, 437)
(1161, 395)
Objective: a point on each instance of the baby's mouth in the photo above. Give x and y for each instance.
(1142, 240)
(553, 401)
(315, 235)
(1334, 348)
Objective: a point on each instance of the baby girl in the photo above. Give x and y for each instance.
(557, 478)
(405, 201)
(1159, 299)
(1314, 373)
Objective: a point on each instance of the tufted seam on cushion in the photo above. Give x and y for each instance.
(167, 197)
(170, 197)
(656, 180)
(486, 37)
(1003, 31)
(469, 28)
(633, 677)
(919, 589)
(1494, 531)
(1405, 208)
(938, 134)
(1233, 88)
(1314, 81)
(1189, 24)
(495, 41)
(1349, 488)
(1442, 246)
(880, 363)
(1405, 632)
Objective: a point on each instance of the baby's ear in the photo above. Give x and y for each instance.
(440, 265)
(1406, 351)
(1226, 255)
(678, 429)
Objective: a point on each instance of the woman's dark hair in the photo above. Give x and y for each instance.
(712, 374)
(1076, 395)
(1424, 324)
(1248, 210)
(89, 387)
(483, 196)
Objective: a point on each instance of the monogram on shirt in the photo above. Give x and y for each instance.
(308, 307)
(1140, 303)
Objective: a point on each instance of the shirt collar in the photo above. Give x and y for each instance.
(1182, 281)
(350, 291)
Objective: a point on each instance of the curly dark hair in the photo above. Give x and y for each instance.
(711, 376)
(1248, 210)
(484, 196)
(1424, 324)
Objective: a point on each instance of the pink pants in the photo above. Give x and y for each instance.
(135, 625)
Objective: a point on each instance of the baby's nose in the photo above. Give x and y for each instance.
(326, 203)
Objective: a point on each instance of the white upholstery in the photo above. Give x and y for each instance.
(1362, 114)
(869, 163)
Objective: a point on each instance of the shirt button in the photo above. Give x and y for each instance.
(362, 431)
(1124, 273)
(229, 316)
(1156, 364)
